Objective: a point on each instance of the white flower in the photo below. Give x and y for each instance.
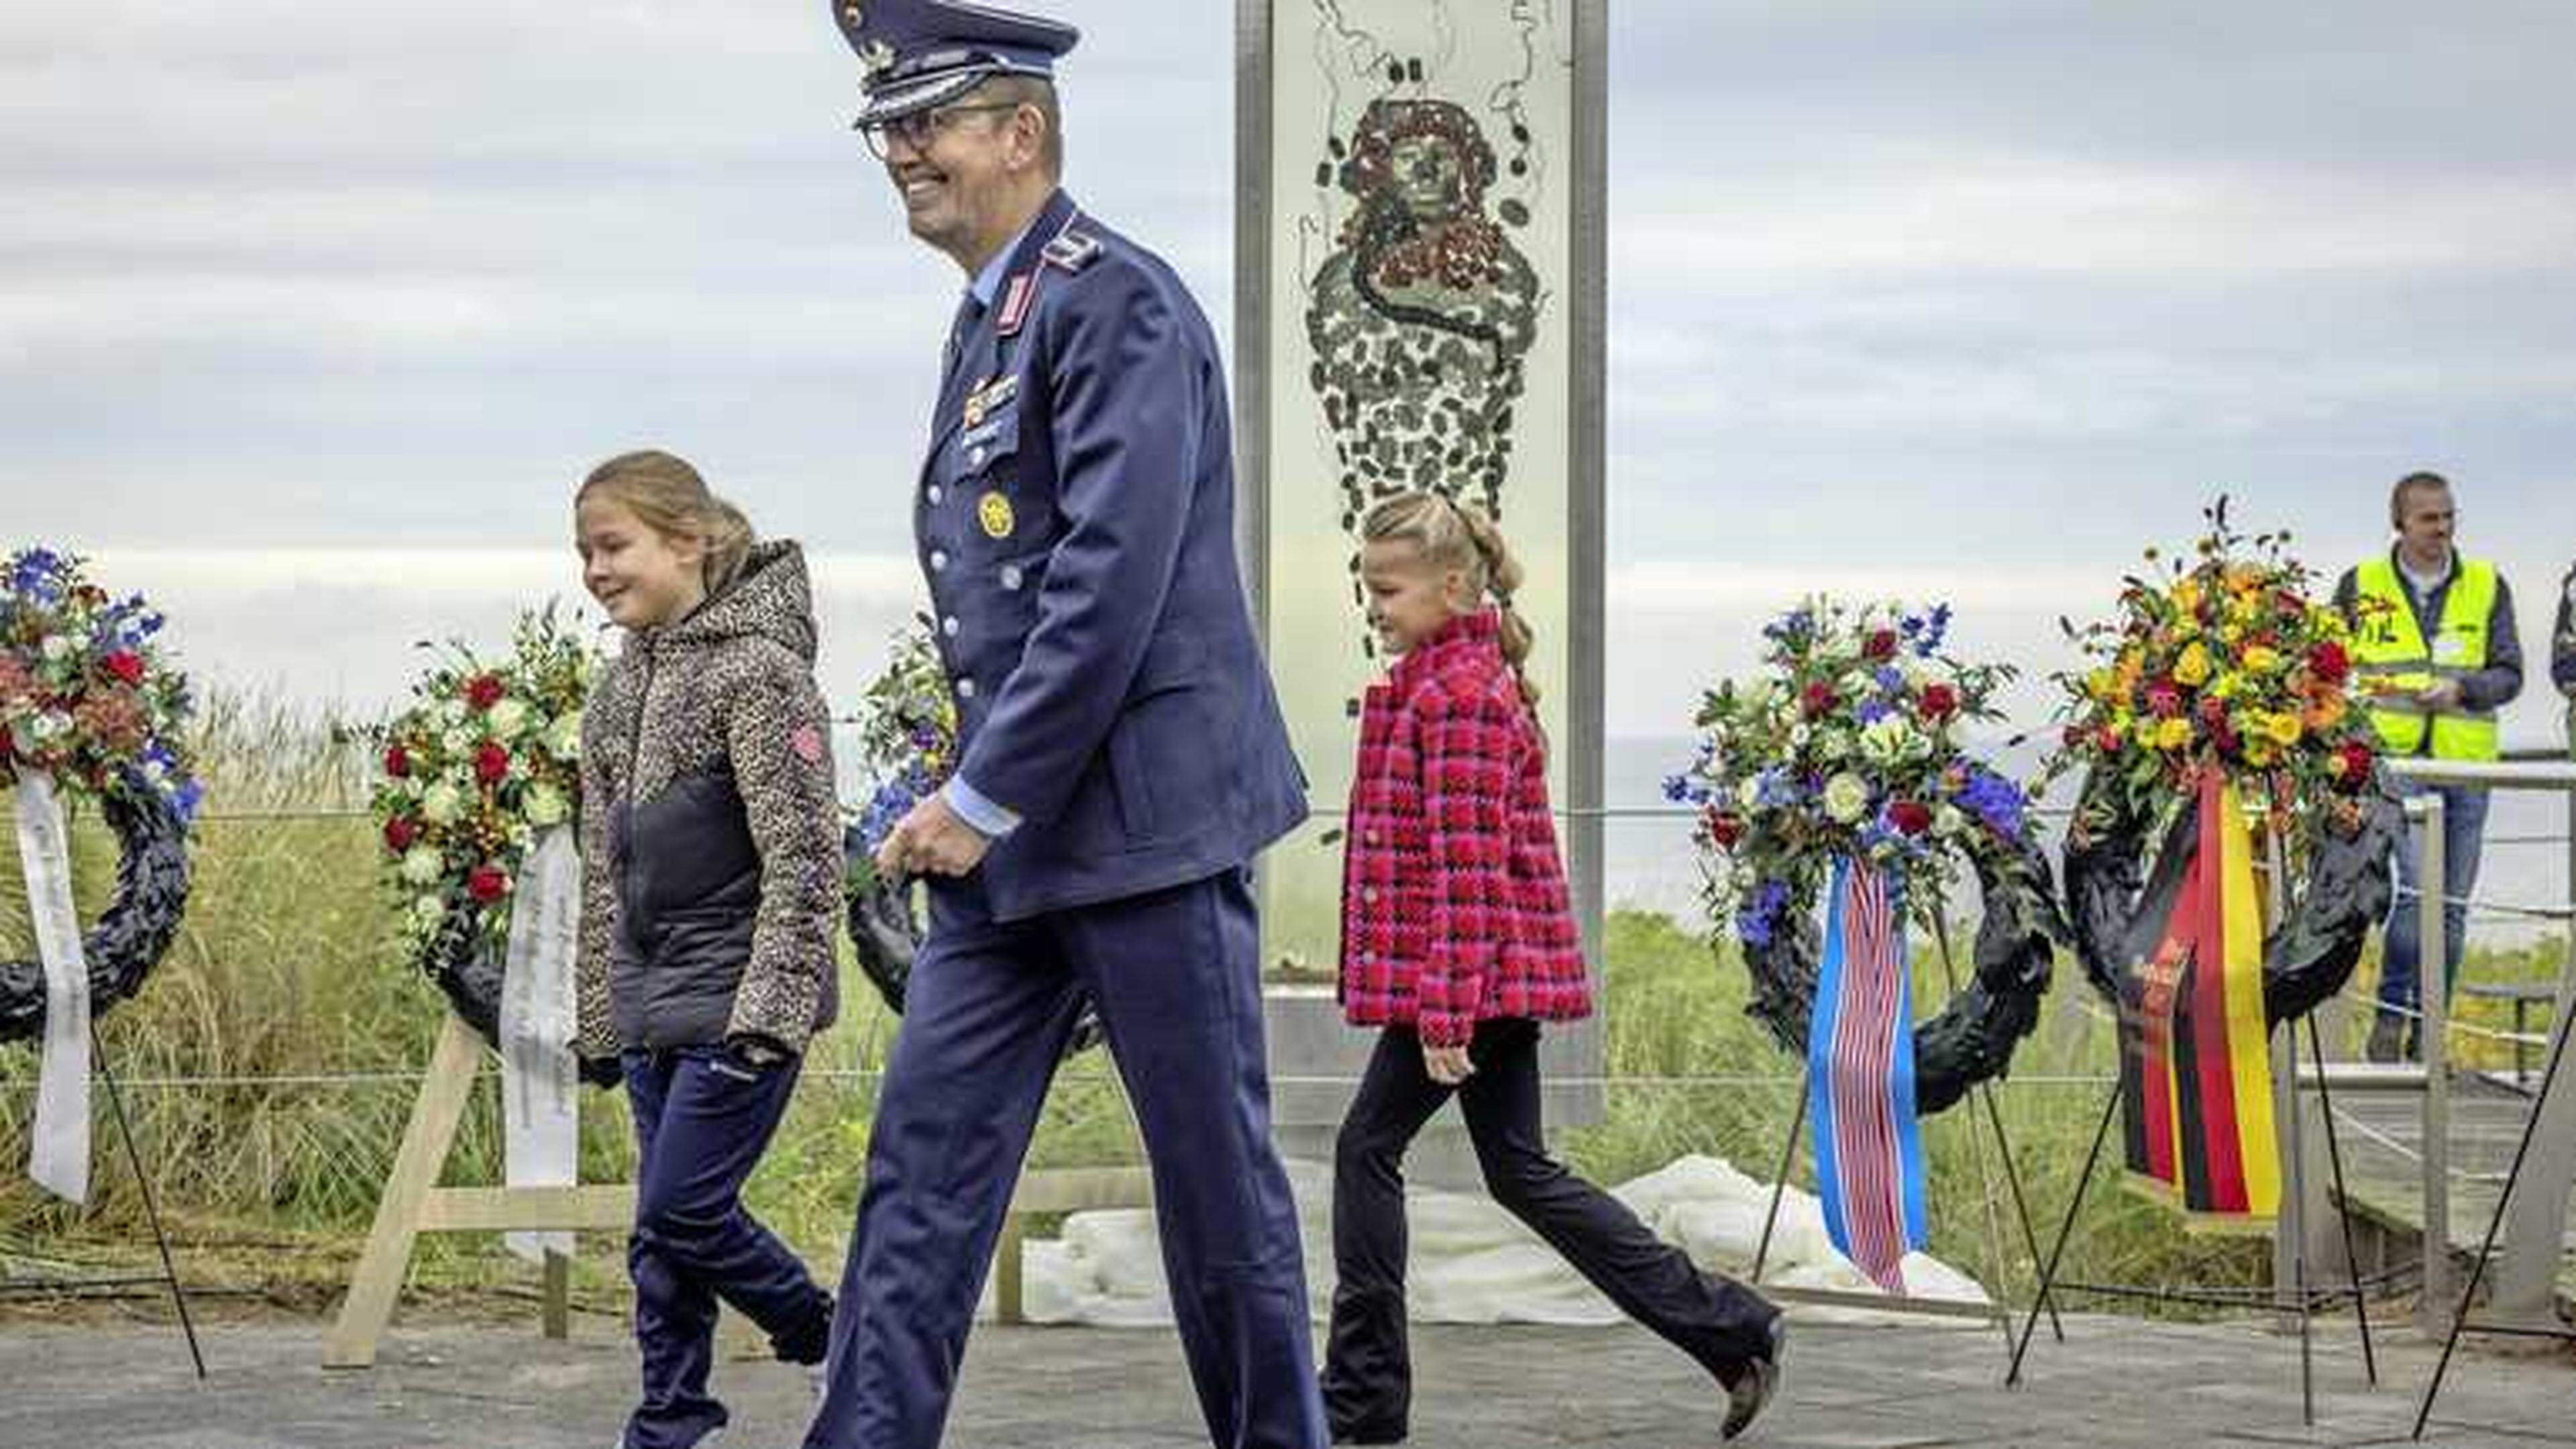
(1749, 794)
(423, 865)
(451, 711)
(1890, 740)
(458, 741)
(563, 737)
(442, 803)
(546, 805)
(1799, 735)
(1946, 820)
(51, 724)
(1834, 746)
(59, 647)
(508, 717)
(429, 911)
(1846, 797)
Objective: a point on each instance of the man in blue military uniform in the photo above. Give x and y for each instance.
(1122, 760)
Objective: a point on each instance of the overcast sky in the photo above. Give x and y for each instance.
(311, 314)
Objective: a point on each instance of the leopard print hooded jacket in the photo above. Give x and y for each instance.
(710, 831)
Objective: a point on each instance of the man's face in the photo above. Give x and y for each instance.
(953, 166)
(2424, 523)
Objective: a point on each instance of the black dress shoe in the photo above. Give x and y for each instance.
(1755, 1383)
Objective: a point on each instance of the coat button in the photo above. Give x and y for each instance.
(936, 493)
(948, 626)
(938, 560)
(975, 456)
(965, 689)
(1011, 577)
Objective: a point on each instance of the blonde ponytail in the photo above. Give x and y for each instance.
(667, 496)
(1451, 535)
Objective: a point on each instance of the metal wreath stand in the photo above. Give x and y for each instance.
(2311, 950)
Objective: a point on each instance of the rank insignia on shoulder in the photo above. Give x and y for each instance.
(1072, 250)
(993, 510)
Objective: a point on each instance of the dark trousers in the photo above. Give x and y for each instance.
(2401, 945)
(702, 1119)
(1176, 978)
(1368, 1380)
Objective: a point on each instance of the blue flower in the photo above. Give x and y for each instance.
(39, 574)
(1871, 711)
(1934, 630)
(1677, 788)
(1890, 678)
(1754, 923)
(190, 795)
(1993, 799)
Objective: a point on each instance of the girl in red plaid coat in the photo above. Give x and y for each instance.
(1457, 941)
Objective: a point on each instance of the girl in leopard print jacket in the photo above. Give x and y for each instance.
(711, 867)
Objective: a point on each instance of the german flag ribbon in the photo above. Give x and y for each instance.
(2195, 1060)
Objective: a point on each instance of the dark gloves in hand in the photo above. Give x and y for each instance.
(602, 1071)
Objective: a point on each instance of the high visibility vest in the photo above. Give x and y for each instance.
(2390, 655)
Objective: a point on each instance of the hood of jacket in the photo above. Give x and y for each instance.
(770, 599)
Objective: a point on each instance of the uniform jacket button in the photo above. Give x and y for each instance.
(938, 559)
(975, 456)
(1011, 577)
(936, 493)
(965, 689)
(948, 626)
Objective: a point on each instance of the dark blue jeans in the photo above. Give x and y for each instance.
(2464, 823)
(702, 1119)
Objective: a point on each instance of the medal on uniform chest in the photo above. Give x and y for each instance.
(993, 510)
(988, 395)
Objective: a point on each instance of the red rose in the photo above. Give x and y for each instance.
(1818, 698)
(1939, 702)
(491, 763)
(125, 664)
(397, 760)
(1724, 829)
(2164, 699)
(2107, 740)
(484, 691)
(400, 832)
(2224, 736)
(486, 884)
(1881, 645)
(2329, 663)
(1911, 816)
(2351, 765)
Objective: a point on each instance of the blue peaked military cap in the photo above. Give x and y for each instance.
(925, 53)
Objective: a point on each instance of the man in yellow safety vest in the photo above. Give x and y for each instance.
(2435, 657)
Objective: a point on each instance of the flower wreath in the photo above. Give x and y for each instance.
(88, 697)
(907, 735)
(487, 755)
(1851, 750)
(2224, 662)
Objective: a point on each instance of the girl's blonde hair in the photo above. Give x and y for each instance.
(1452, 535)
(667, 496)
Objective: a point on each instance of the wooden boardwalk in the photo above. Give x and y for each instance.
(2382, 1137)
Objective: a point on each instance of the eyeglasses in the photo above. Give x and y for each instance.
(920, 128)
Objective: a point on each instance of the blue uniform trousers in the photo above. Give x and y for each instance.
(1176, 977)
(2401, 945)
(702, 1120)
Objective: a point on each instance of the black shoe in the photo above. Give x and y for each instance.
(1370, 1434)
(1755, 1383)
(2384, 1036)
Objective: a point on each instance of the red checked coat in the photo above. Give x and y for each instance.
(1454, 904)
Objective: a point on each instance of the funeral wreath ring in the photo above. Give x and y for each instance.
(1851, 751)
(89, 701)
(487, 755)
(2221, 664)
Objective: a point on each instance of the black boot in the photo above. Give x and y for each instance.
(2385, 1034)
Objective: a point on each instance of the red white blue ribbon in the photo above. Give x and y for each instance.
(1860, 1065)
